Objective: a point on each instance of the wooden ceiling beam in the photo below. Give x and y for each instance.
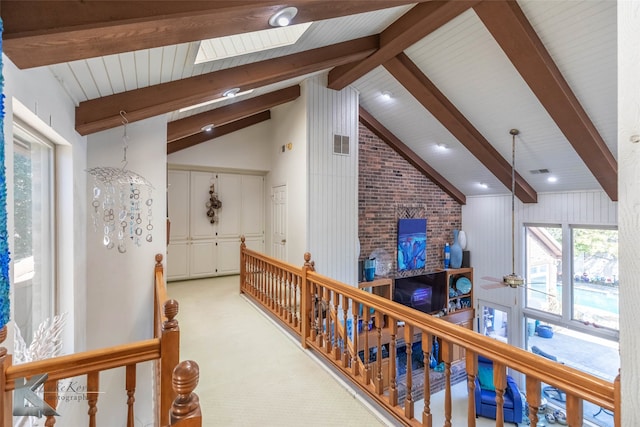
(410, 28)
(517, 38)
(217, 132)
(191, 125)
(410, 156)
(425, 92)
(104, 113)
(38, 33)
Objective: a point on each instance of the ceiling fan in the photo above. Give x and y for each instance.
(512, 280)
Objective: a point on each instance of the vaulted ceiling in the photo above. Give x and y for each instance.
(460, 75)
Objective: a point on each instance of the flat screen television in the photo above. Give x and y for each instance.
(425, 292)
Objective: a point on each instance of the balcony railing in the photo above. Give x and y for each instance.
(325, 313)
(176, 402)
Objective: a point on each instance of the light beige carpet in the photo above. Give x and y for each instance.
(251, 372)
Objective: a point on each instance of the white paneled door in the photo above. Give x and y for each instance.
(279, 225)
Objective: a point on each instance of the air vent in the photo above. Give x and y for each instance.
(341, 144)
(539, 171)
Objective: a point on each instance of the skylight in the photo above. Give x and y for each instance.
(242, 44)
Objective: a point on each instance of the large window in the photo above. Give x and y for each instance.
(595, 277)
(589, 294)
(33, 249)
(544, 268)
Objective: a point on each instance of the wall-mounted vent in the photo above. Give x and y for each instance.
(538, 171)
(341, 144)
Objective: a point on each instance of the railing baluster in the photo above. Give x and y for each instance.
(379, 383)
(297, 306)
(533, 399)
(355, 363)
(427, 343)
(326, 317)
(574, 410)
(447, 357)
(471, 361)
(393, 369)
(131, 390)
(408, 401)
(365, 328)
(51, 398)
(93, 384)
(346, 337)
(290, 302)
(500, 383)
(335, 348)
(170, 355)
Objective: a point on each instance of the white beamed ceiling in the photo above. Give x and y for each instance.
(464, 62)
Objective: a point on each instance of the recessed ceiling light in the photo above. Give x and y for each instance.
(231, 92)
(552, 179)
(283, 17)
(441, 146)
(202, 104)
(483, 185)
(207, 128)
(386, 95)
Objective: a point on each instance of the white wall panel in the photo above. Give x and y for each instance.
(333, 184)
(629, 178)
(289, 167)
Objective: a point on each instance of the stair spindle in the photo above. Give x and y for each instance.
(131, 390)
(93, 384)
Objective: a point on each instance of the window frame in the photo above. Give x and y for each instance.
(47, 218)
(565, 318)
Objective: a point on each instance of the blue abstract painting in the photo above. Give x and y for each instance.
(412, 244)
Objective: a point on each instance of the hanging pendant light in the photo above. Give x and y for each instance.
(513, 279)
(122, 201)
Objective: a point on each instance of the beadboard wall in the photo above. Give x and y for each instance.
(386, 182)
(333, 180)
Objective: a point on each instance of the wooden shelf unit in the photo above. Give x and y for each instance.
(462, 316)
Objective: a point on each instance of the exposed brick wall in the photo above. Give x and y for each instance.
(387, 181)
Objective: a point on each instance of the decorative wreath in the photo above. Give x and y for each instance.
(213, 204)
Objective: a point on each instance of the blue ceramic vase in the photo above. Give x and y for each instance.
(456, 251)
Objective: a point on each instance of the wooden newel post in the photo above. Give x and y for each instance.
(185, 411)
(305, 301)
(169, 357)
(243, 271)
(6, 401)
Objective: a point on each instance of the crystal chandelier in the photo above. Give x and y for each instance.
(122, 202)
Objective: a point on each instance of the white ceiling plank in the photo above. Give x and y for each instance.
(155, 65)
(100, 76)
(168, 60)
(141, 60)
(129, 72)
(65, 76)
(112, 64)
(82, 72)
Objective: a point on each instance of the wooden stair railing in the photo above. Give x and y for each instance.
(178, 405)
(324, 307)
